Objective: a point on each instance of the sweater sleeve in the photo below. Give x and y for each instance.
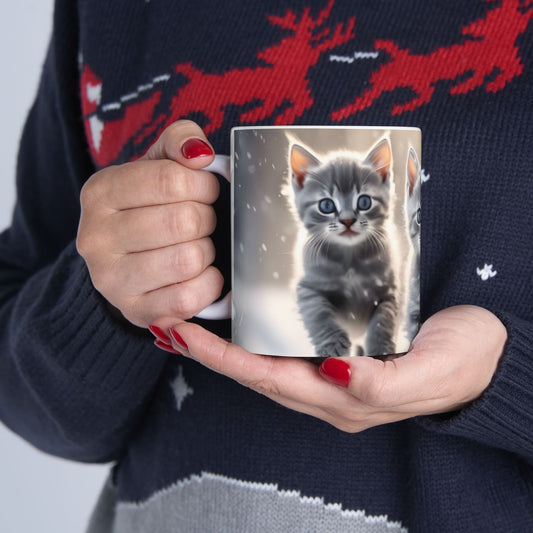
(74, 381)
(502, 416)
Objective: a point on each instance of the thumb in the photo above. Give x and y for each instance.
(185, 143)
(382, 383)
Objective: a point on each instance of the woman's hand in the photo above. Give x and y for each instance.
(144, 229)
(450, 363)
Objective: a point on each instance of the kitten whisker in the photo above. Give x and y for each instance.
(376, 238)
(314, 244)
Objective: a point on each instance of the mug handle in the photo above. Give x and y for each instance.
(222, 308)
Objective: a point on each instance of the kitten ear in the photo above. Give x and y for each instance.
(413, 170)
(380, 158)
(301, 160)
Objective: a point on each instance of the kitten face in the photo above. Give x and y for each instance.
(342, 200)
(413, 198)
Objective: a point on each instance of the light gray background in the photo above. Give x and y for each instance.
(38, 493)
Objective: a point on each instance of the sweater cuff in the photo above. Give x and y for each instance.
(85, 339)
(503, 416)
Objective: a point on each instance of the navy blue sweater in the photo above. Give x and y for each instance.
(193, 450)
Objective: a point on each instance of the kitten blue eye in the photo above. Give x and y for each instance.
(326, 206)
(418, 216)
(364, 202)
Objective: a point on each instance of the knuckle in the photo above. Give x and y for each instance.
(265, 384)
(352, 420)
(351, 426)
(346, 427)
(83, 243)
(171, 183)
(210, 219)
(104, 280)
(88, 243)
(175, 132)
(372, 394)
(166, 138)
(87, 192)
(216, 280)
(190, 260)
(184, 301)
(185, 123)
(94, 189)
(135, 312)
(210, 254)
(188, 221)
(170, 224)
(375, 392)
(93, 240)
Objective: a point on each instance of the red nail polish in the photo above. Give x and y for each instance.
(336, 371)
(159, 334)
(178, 340)
(166, 347)
(194, 147)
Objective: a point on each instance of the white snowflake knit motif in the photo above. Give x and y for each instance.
(486, 272)
(180, 388)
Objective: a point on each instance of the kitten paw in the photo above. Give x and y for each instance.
(385, 348)
(336, 346)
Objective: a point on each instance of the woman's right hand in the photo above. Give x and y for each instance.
(144, 229)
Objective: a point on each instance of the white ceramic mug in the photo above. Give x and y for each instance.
(325, 239)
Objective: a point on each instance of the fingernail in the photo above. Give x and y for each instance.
(158, 333)
(194, 147)
(166, 347)
(178, 340)
(336, 371)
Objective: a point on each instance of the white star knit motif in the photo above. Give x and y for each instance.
(180, 388)
(486, 272)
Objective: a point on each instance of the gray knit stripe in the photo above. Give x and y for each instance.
(214, 503)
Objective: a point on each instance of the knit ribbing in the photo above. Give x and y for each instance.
(97, 393)
(80, 319)
(501, 415)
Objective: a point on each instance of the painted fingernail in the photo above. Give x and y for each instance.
(178, 340)
(158, 333)
(194, 147)
(166, 347)
(336, 371)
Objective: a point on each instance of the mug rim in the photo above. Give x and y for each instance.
(326, 127)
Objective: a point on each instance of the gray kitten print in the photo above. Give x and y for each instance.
(343, 202)
(413, 195)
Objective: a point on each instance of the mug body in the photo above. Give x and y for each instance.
(325, 239)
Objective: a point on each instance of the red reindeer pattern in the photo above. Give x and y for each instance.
(287, 66)
(279, 87)
(491, 49)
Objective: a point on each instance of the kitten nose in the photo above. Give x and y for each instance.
(347, 221)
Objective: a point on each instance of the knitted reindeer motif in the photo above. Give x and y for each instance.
(287, 62)
(278, 87)
(489, 48)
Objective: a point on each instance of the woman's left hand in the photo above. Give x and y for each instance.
(450, 363)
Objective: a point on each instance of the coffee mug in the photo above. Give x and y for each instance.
(325, 239)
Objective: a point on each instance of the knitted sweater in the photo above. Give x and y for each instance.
(192, 450)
